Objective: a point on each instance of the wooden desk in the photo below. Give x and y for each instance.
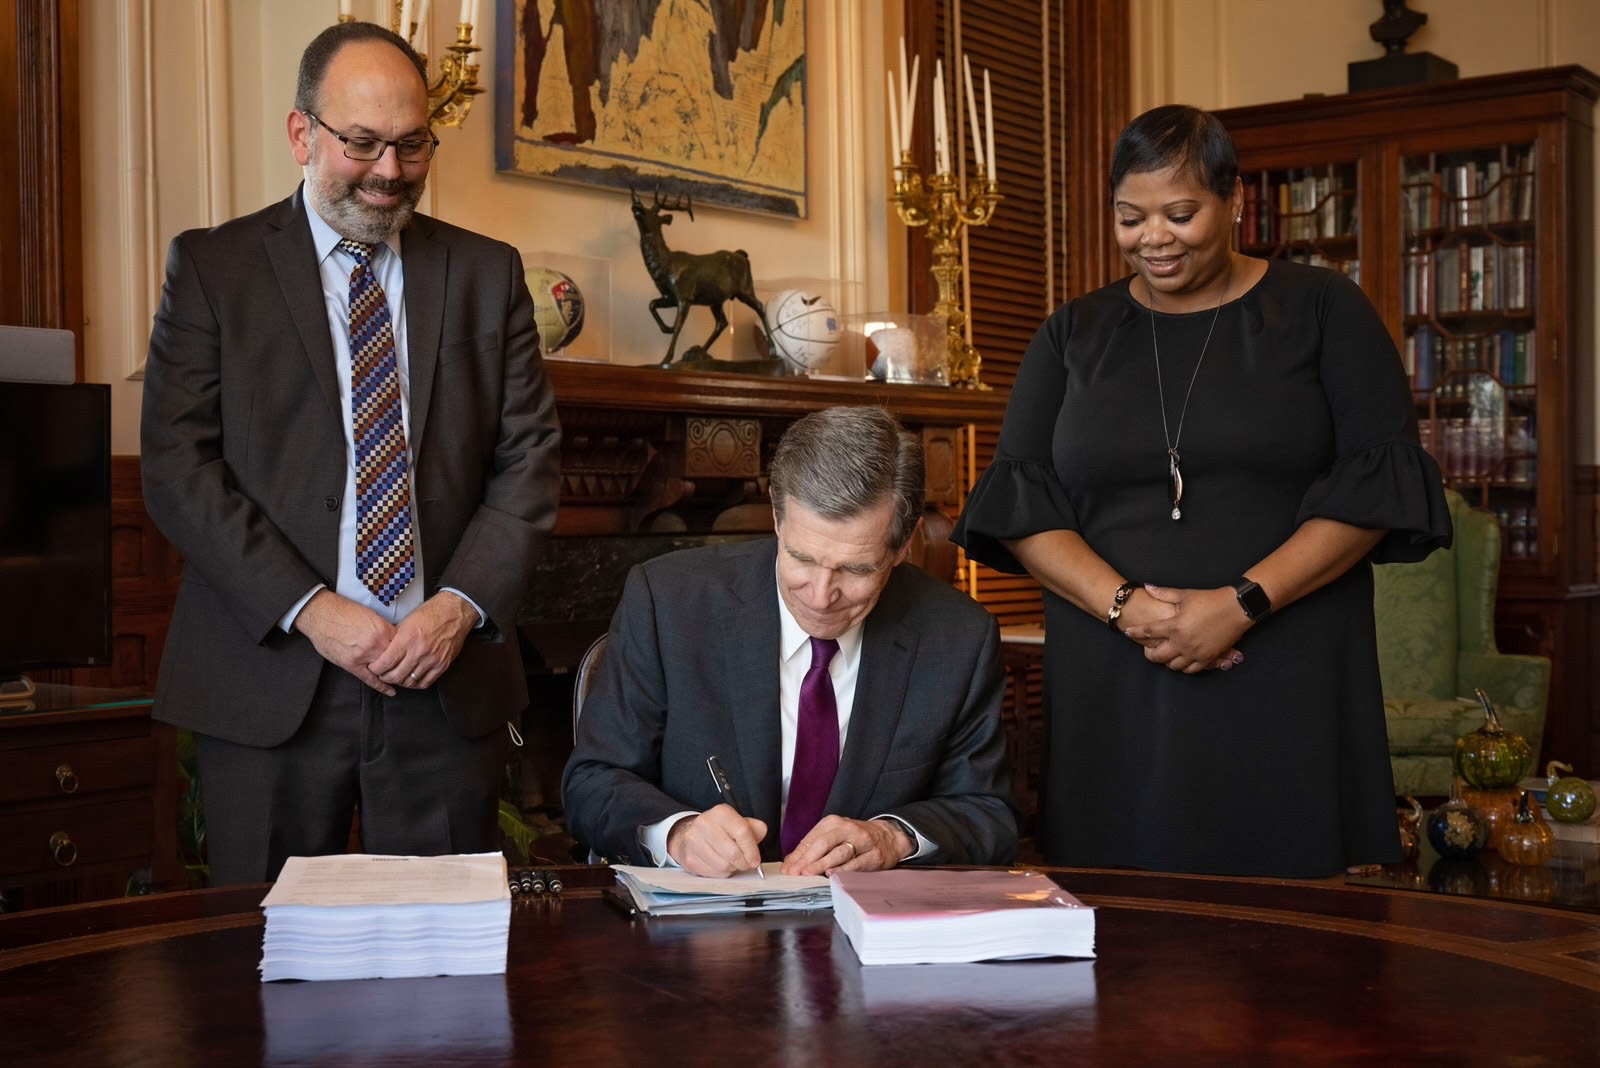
(88, 794)
(1191, 971)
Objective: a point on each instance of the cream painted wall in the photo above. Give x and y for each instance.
(1232, 53)
(184, 106)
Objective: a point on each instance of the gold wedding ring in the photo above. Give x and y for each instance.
(850, 846)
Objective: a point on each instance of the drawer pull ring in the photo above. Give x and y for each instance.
(67, 778)
(64, 849)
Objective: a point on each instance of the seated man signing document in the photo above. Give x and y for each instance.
(852, 700)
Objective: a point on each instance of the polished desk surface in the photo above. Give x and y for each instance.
(1191, 970)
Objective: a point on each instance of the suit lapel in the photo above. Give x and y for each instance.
(888, 650)
(426, 261)
(294, 263)
(750, 646)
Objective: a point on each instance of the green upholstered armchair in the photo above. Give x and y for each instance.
(1436, 643)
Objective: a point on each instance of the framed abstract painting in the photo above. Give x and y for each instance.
(703, 98)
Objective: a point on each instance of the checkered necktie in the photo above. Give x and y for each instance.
(383, 496)
(816, 748)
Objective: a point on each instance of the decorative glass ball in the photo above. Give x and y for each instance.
(1456, 831)
(1569, 799)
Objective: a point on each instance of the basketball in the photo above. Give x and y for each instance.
(557, 308)
(805, 328)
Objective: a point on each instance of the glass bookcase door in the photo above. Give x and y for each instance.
(1310, 214)
(1470, 326)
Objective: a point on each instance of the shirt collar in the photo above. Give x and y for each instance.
(324, 237)
(791, 637)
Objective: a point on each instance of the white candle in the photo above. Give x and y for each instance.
(474, 12)
(405, 19)
(988, 124)
(422, 15)
(894, 118)
(344, 8)
(908, 109)
(972, 113)
(466, 12)
(941, 119)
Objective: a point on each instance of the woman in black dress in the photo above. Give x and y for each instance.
(1199, 463)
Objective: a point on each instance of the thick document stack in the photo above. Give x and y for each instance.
(374, 917)
(674, 892)
(907, 916)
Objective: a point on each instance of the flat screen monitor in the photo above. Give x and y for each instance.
(55, 526)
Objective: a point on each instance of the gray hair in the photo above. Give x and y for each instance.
(839, 462)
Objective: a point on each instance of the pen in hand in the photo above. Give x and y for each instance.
(725, 788)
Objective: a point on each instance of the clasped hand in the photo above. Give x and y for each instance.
(719, 842)
(384, 655)
(1187, 630)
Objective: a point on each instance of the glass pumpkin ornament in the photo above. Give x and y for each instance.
(1569, 799)
(1497, 807)
(1492, 757)
(1528, 840)
(1456, 830)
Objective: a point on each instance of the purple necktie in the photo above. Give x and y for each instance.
(816, 748)
(383, 497)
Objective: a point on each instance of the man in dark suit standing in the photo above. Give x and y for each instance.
(853, 700)
(349, 435)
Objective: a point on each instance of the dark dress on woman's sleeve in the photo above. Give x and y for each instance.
(1299, 409)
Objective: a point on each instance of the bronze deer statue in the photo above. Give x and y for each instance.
(687, 278)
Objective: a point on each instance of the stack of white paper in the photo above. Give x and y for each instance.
(375, 917)
(906, 916)
(672, 891)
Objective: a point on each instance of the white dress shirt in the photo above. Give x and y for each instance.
(794, 660)
(335, 268)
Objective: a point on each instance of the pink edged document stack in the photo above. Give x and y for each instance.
(908, 916)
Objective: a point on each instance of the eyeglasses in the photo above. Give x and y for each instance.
(369, 149)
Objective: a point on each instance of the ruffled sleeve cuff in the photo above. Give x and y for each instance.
(1013, 499)
(1396, 487)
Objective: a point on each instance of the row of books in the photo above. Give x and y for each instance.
(1349, 265)
(1466, 277)
(1482, 192)
(1511, 356)
(1296, 208)
(1482, 449)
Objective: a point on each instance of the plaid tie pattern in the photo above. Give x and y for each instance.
(816, 748)
(383, 495)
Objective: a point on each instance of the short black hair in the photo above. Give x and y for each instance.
(1177, 135)
(320, 52)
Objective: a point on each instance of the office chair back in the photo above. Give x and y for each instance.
(586, 669)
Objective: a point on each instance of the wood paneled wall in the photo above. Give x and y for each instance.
(41, 274)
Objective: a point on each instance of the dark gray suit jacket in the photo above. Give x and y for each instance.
(244, 462)
(691, 670)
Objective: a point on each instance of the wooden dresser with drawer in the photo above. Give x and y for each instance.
(88, 796)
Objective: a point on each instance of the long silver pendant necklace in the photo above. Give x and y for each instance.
(1174, 463)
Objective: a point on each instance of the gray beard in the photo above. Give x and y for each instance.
(342, 208)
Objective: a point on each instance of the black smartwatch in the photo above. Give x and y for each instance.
(1253, 599)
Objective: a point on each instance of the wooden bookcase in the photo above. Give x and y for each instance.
(1465, 210)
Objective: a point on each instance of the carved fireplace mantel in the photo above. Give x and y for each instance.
(647, 450)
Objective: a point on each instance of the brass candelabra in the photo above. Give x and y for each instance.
(939, 204)
(450, 94)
